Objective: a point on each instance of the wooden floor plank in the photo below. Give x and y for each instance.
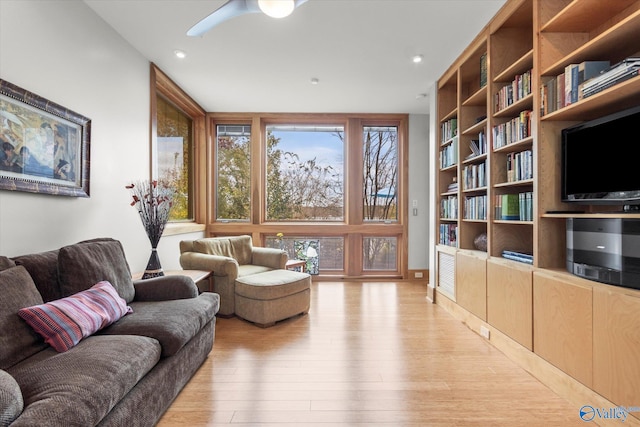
(366, 354)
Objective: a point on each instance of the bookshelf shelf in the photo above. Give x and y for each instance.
(621, 95)
(520, 66)
(479, 98)
(520, 183)
(475, 159)
(621, 37)
(515, 146)
(583, 15)
(477, 127)
(513, 109)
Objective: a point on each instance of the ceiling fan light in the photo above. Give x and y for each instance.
(276, 8)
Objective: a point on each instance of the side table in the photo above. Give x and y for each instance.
(197, 276)
(295, 265)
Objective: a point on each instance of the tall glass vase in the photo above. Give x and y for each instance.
(154, 269)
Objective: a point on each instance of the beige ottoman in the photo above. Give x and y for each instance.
(268, 297)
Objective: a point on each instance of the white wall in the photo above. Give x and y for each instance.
(62, 51)
(419, 190)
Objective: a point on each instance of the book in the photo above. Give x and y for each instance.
(588, 70)
(510, 207)
(518, 256)
(483, 70)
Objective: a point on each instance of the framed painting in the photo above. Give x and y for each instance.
(44, 147)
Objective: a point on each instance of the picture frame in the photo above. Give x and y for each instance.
(44, 147)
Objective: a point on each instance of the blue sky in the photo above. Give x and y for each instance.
(325, 147)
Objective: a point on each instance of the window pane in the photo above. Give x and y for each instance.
(305, 173)
(175, 142)
(379, 253)
(330, 250)
(233, 155)
(380, 172)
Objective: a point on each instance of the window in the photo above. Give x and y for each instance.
(379, 253)
(305, 173)
(233, 151)
(177, 139)
(332, 179)
(380, 167)
(175, 143)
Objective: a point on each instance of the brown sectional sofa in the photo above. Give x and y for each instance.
(126, 374)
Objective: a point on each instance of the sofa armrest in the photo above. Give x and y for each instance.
(269, 257)
(220, 265)
(11, 401)
(165, 288)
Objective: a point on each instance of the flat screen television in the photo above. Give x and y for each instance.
(601, 160)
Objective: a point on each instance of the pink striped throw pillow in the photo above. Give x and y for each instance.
(64, 322)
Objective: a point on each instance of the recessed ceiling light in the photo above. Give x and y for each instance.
(314, 81)
(180, 54)
(417, 59)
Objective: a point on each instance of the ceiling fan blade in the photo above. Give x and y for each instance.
(229, 10)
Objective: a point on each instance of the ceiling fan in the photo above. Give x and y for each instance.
(233, 8)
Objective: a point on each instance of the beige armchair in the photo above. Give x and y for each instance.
(229, 258)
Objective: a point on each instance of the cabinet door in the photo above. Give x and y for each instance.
(616, 345)
(562, 325)
(471, 284)
(510, 300)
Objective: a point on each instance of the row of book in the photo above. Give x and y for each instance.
(519, 88)
(474, 176)
(478, 146)
(448, 156)
(518, 256)
(568, 87)
(514, 207)
(512, 131)
(475, 207)
(449, 207)
(448, 234)
(449, 129)
(519, 166)
(620, 72)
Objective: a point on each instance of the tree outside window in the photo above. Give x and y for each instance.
(233, 151)
(175, 141)
(305, 173)
(380, 145)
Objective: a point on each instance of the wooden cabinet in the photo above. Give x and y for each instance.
(563, 323)
(510, 300)
(616, 344)
(471, 283)
(590, 331)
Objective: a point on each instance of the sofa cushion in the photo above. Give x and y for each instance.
(11, 401)
(172, 323)
(238, 248)
(6, 263)
(272, 284)
(64, 322)
(84, 264)
(43, 268)
(18, 291)
(80, 386)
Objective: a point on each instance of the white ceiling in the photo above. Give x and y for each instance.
(359, 50)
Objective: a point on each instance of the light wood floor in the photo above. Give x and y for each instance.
(366, 354)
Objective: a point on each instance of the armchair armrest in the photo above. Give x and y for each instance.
(165, 288)
(220, 265)
(269, 257)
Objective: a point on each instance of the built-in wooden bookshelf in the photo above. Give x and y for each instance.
(496, 91)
